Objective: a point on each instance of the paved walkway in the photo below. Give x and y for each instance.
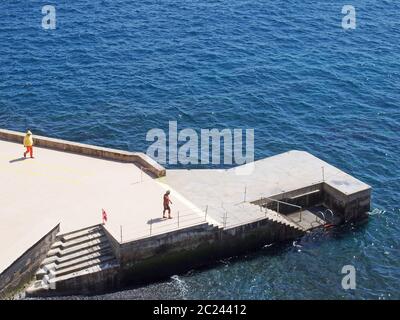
(36, 194)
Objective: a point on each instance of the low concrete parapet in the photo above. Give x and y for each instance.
(138, 158)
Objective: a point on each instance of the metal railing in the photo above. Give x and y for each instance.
(195, 216)
(155, 226)
(264, 201)
(324, 214)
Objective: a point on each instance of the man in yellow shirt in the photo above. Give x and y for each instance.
(28, 144)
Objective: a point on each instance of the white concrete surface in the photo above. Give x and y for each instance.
(54, 187)
(71, 189)
(226, 190)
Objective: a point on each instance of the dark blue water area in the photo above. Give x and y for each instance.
(113, 70)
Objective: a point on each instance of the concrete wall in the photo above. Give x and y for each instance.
(88, 284)
(349, 207)
(187, 238)
(304, 197)
(138, 158)
(176, 252)
(358, 205)
(346, 207)
(24, 268)
(114, 243)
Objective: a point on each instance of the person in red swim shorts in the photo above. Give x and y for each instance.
(167, 201)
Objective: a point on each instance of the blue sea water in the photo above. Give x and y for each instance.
(114, 69)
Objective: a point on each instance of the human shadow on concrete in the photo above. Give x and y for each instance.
(17, 160)
(156, 220)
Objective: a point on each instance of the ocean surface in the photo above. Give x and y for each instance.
(112, 70)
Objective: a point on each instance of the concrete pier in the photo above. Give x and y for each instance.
(215, 212)
(287, 176)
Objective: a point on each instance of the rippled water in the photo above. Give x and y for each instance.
(112, 70)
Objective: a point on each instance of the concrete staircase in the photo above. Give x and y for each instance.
(308, 220)
(75, 254)
(247, 212)
(282, 219)
(304, 221)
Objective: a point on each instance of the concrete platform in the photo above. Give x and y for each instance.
(306, 219)
(71, 189)
(35, 194)
(228, 191)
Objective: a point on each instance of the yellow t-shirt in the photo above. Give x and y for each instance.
(28, 141)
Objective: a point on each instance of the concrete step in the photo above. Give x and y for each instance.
(273, 216)
(44, 273)
(284, 220)
(37, 285)
(77, 240)
(84, 265)
(80, 259)
(75, 254)
(83, 245)
(40, 274)
(79, 230)
(54, 262)
(67, 257)
(44, 287)
(113, 263)
(278, 218)
(80, 233)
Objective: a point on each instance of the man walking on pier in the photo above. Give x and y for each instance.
(166, 203)
(28, 144)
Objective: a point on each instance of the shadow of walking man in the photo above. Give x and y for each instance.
(151, 221)
(17, 160)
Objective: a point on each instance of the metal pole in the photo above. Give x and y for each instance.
(205, 216)
(323, 174)
(225, 220)
(225, 217)
(245, 192)
(266, 210)
(277, 206)
(120, 229)
(178, 219)
(151, 225)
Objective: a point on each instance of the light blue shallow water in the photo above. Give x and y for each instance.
(112, 70)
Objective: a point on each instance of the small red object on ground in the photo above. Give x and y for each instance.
(104, 215)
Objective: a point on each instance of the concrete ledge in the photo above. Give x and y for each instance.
(138, 158)
(115, 244)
